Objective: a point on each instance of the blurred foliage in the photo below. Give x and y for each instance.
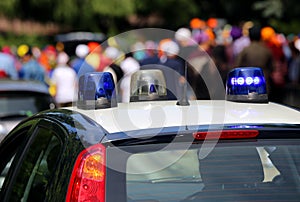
(113, 16)
(33, 40)
(174, 13)
(270, 8)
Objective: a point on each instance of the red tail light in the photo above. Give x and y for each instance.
(226, 134)
(87, 181)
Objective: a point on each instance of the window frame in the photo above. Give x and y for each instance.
(22, 151)
(123, 153)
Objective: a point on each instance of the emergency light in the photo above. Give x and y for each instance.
(96, 91)
(148, 85)
(246, 84)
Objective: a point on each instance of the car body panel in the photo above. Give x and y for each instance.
(166, 128)
(162, 114)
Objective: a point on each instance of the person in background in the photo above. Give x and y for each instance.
(279, 72)
(187, 46)
(240, 37)
(114, 68)
(294, 65)
(190, 54)
(129, 66)
(173, 67)
(219, 57)
(197, 25)
(79, 64)
(31, 69)
(64, 80)
(7, 67)
(238, 43)
(256, 54)
(46, 57)
(10, 50)
(151, 56)
(202, 74)
(138, 50)
(169, 51)
(93, 58)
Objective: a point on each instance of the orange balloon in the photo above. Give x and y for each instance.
(267, 33)
(94, 46)
(160, 51)
(197, 23)
(212, 23)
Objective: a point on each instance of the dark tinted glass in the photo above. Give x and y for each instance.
(229, 172)
(24, 103)
(37, 168)
(8, 153)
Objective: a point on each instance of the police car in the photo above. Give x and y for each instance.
(242, 148)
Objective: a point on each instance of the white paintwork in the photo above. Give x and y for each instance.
(158, 114)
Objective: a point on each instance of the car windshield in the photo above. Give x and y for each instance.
(264, 170)
(23, 104)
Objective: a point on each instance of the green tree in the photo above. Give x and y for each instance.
(114, 16)
(77, 14)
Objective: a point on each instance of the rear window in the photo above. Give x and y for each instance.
(24, 103)
(253, 171)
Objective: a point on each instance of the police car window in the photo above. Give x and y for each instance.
(5, 171)
(24, 103)
(269, 169)
(8, 155)
(37, 167)
(239, 173)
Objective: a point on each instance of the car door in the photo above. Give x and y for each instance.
(33, 156)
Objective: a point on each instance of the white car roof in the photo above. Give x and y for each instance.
(161, 114)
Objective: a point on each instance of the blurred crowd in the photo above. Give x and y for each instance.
(201, 52)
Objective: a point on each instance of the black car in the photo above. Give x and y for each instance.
(71, 40)
(20, 99)
(150, 151)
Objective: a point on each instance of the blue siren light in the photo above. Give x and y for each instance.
(96, 91)
(246, 84)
